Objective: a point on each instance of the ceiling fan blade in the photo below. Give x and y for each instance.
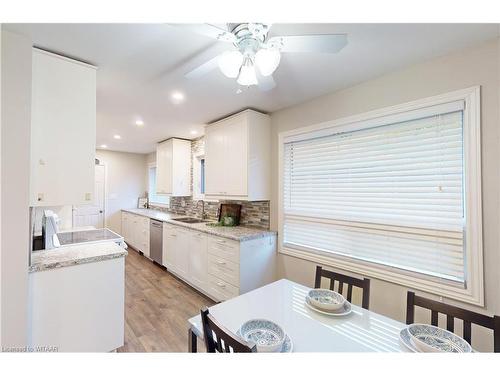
(212, 31)
(265, 83)
(203, 69)
(320, 43)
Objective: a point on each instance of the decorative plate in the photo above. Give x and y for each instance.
(405, 338)
(345, 310)
(428, 338)
(326, 299)
(267, 335)
(287, 344)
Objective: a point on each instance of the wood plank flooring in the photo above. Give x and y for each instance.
(157, 307)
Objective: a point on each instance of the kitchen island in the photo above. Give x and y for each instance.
(76, 300)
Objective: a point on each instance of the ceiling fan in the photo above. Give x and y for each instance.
(255, 55)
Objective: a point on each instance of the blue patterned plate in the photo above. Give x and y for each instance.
(428, 338)
(325, 299)
(345, 310)
(405, 338)
(287, 344)
(267, 335)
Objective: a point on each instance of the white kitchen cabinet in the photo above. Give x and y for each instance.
(78, 308)
(218, 267)
(63, 130)
(238, 157)
(173, 167)
(198, 260)
(135, 231)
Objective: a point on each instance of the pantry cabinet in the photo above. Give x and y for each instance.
(173, 167)
(238, 157)
(63, 130)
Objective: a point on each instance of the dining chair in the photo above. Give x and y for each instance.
(452, 312)
(219, 340)
(363, 284)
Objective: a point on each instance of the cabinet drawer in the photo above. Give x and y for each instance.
(221, 289)
(224, 269)
(223, 248)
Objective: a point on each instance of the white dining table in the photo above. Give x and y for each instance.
(283, 302)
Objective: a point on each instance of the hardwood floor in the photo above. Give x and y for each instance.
(157, 307)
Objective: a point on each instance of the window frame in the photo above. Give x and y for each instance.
(158, 204)
(473, 290)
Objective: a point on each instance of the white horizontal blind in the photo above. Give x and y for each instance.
(390, 195)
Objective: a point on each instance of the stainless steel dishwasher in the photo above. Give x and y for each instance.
(156, 240)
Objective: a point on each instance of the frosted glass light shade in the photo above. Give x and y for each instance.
(247, 75)
(230, 63)
(267, 60)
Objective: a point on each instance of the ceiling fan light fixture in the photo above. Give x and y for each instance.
(267, 60)
(230, 62)
(247, 75)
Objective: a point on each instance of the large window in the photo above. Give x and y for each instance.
(153, 197)
(386, 196)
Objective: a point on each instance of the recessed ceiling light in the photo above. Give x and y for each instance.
(177, 96)
(104, 146)
(139, 122)
(117, 136)
(194, 132)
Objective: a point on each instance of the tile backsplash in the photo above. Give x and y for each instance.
(255, 214)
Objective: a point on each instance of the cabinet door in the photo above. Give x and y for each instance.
(125, 226)
(182, 252)
(135, 230)
(215, 160)
(164, 168)
(235, 150)
(197, 271)
(169, 246)
(63, 128)
(144, 234)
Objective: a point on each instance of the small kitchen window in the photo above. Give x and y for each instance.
(199, 176)
(154, 198)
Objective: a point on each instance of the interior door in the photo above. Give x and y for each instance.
(92, 214)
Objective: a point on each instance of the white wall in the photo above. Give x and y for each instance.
(474, 66)
(15, 169)
(126, 180)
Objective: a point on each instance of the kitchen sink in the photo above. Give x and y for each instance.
(190, 220)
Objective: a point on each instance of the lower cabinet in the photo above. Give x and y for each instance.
(218, 267)
(197, 266)
(135, 231)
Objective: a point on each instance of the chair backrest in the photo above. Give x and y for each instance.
(364, 284)
(452, 312)
(220, 340)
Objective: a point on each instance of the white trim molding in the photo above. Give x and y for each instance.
(472, 291)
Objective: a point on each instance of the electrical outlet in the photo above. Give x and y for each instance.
(88, 196)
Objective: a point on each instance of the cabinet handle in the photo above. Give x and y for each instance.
(222, 285)
(221, 262)
(221, 241)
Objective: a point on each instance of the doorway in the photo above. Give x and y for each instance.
(92, 214)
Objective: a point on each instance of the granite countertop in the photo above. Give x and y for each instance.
(239, 233)
(43, 260)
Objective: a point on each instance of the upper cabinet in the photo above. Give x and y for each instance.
(238, 157)
(173, 167)
(63, 130)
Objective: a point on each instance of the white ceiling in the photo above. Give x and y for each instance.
(140, 65)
